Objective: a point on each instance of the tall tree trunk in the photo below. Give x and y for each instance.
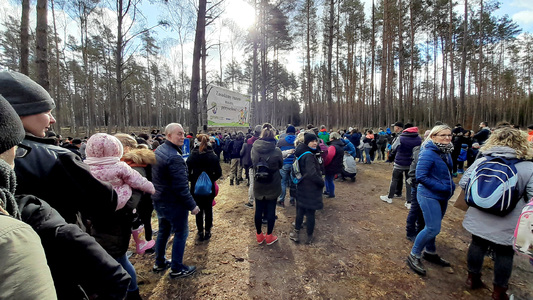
(401, 64)
(41, 41)
(57, 96)
(203, 103)
(462, 81)
(384, 55)
(25, 37)
(195, 78)
(451, 52)
(329, 74)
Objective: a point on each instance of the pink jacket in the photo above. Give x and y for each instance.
(103, 157)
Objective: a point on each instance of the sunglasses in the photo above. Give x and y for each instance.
(22, 151)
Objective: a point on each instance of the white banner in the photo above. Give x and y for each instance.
(227, 108)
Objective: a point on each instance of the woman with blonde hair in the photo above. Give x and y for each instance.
(204, 159)
(494, 231)
(435, 187)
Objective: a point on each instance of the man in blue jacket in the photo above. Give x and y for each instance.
(172, 202)
(286, 143)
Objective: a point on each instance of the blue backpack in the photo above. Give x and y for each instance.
(203, 186)
(296, 172)
(492, 186)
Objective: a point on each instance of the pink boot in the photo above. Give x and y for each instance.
(138, 237)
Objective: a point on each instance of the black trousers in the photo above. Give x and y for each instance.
(268, 208)
(309, 216)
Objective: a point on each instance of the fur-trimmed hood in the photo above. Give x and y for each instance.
(139, 158)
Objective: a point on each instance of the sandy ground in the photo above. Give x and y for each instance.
(359, 252)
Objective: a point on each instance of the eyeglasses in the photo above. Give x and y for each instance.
(22, 151)
(444, 135)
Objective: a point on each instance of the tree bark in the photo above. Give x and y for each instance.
(41, 40)
(195, 78)
(24, 37)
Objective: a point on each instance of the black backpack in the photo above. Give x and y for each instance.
(263, 173)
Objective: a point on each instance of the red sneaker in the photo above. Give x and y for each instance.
(271, 239)
(260, 238)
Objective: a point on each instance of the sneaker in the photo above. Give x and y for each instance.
(407, 205)
(385, 198)
(260, 238)
(271, 239)
(201, 235)
(416, 265)
(411, 238)
(436, 259)
(281, 203)
(158, 268)
(207, 235)
(397, 196)
(188, 271)
(231, 182)
(129, 254)
(249, 205)
(460, 171)
(325, 193)
(330, 196)
(353, 179)
(454, 174)
(295, 235)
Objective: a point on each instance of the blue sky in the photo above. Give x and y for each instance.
(521, 11)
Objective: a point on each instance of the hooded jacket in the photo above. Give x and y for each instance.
(206, 162)
(433, 173)
(287, 143)
(403, 150)
(309, 189)
(103, 156)
(246, 151)
(60, 178)
(267, 150)
(491, 227)
(333, 162)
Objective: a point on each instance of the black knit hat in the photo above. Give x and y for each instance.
(25, 95)
(11, 129)
(309, 137)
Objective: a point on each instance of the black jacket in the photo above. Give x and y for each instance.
(309, 189)
(206, 162)
(335, 165)
(80, 267)
(60, 178)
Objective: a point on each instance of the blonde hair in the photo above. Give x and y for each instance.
(204, 142)
(299, 138)
(127, 140)
(335, 136)
(436, 130)
(267, 132)
(512, 138)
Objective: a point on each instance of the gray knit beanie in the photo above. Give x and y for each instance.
(25, 95)
(11, 129)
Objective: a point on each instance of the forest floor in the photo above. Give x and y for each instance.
(359, 252)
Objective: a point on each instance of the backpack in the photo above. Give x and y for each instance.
(296, 173)
(382, 138)
(492, 186)
(203, 185)
(523, 234)
(462, 155)
(263, 173)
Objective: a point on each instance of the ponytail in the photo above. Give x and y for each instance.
(204, 142)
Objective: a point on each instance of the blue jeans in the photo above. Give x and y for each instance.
(433, 211)
(173, 218)
(125, 263)
(330, 186)
(368, 160)
(415, 219)
(285, 181)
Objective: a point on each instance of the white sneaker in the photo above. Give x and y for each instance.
(407, 205)
(386, 199)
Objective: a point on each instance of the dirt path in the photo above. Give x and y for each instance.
(359, 252)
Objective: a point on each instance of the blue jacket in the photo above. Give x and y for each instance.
(355, 139)
(287, 143)
(349, 147)
(403, 153)
(433, 173)
(170, 177)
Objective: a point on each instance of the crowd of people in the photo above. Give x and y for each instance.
(111, 184)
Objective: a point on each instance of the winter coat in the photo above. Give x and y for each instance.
(433, 173)
(355, 139)
(74, 149)
(323, 134)
(103, 156)
(333, 162)
(60, 178)
(402, 149)
(247, 150)
(170, 177)
(236, 148)
(349, 147)
(482, 136)
(95, 271)
(267, 150)
(368, 140)
(309, 189)
(348, 163)
(287, 143)
(23, 263)
(206, 162)
(492, 227)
